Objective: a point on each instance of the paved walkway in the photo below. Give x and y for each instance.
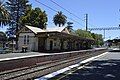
(20, 55)
(105, 67)
(110, 56)
(32, 54)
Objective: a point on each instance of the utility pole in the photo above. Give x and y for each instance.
(86, 21)
(104, 33)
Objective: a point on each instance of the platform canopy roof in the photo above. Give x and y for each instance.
(52, 29)
(57, 29)
(35, 29)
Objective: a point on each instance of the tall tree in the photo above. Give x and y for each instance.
(16, 8)
(69, 26)
(98, 39)
(34, 17)
(4, 15)
(84, 34)
(59, 19)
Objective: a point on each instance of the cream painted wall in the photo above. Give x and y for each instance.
(48, 43)
(56, 44)
(33, 42)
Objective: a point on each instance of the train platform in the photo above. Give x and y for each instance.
(102, 67)
(11, 56)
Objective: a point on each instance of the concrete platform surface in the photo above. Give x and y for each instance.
(110, 56)
(32, 54)
(104, 67)
(20, 55)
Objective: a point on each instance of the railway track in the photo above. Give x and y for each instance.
(42, 69)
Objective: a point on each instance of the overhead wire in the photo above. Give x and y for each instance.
(57, 11)
(68, 11)
(45, 5)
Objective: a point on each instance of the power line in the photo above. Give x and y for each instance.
(103, 28)
(46, 5)
(57, 11)
(68, 11)
(75, 21)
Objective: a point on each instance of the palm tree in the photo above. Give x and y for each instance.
(59, 19)
(4, 15)
(69, 26)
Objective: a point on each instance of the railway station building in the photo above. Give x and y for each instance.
(50, 39)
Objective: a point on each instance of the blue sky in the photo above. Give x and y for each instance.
(102, 13)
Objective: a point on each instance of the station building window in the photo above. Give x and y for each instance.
(27, 39)
(24, 39)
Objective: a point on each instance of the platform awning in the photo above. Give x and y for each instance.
(62, 35)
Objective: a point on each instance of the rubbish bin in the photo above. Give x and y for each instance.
(24, 48)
